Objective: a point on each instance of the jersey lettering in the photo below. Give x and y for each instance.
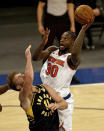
(52, 70)
(57, 61)
(48, 69)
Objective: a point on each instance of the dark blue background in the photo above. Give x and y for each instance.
(86, 76)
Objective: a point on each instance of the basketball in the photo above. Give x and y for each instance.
(84, 14)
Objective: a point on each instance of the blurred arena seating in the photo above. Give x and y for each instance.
(97, 29)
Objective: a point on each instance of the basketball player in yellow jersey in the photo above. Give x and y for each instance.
(39, 102)
(59, 68)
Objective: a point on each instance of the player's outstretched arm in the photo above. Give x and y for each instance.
(28, 72)
(75, 57)
(4, 89)
(40, 53)
(26, 92)
(60, 102)
(29, 67)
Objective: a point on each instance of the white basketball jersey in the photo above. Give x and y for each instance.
(56, 73)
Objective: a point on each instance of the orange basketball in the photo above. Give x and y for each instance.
(84, 14)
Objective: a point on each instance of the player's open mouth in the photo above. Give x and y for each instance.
(61, 45)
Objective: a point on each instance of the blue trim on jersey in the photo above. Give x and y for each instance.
(67, 97)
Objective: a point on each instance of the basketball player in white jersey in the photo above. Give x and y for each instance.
(59, 68)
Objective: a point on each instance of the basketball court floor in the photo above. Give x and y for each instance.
(17, 31)
(88, 112)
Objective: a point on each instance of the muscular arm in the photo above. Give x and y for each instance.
(26, 93)
(77, 48)
(75, 57)
(60, 102)
(40, 53)
(4, 89)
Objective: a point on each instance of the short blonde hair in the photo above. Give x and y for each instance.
(10, 81)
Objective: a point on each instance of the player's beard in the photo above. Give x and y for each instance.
(64, 51)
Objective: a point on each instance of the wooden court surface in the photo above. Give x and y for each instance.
(88, 113)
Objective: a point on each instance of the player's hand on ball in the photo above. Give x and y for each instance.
(86, 26)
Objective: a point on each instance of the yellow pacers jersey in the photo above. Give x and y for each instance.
(40, 117)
